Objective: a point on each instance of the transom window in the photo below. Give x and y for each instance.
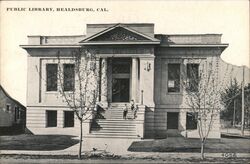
(121, 66)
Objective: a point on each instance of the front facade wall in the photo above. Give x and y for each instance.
(175, 102)
(165, 112)
(149, 87)
(39, 100)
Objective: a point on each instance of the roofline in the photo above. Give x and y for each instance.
(54, 35)
(188, 34)
(7, 95)
(196, 45)
(49, 46)
(122, 43)
(113, 27)
(119, 23)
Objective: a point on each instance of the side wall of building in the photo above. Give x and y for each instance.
(14, 115)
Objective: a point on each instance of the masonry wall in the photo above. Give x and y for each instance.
(176, 102)
(39, 100)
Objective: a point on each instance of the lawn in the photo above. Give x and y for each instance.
(36, 142)
(180, 144)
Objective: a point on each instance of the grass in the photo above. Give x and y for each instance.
(36, 142)
(179, 144)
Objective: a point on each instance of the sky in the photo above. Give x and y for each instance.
(227, 17)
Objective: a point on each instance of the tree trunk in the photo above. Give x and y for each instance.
(80, 141)
(202, 148)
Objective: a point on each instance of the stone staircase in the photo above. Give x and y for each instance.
(110, 124)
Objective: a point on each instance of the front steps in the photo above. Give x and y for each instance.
(112, 125)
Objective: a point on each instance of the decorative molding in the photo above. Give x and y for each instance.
(119, 34)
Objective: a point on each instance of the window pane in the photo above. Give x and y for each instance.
(69, 77)
(68, 119)
(7, 108)
(193, 77)
(191, 122)
(121, 65)
(173, 77)
(51, 118)
(51, 70)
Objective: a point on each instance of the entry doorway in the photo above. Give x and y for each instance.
(172, 120)
(120, 90)
(121, 68)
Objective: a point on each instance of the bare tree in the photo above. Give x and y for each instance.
(79, 85)
(202, 89)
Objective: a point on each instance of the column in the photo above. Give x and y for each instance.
(104, 83)
(134, 77)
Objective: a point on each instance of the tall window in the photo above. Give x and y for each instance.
(69, 77)
(51, 71)
(193, 77)
(173, 77)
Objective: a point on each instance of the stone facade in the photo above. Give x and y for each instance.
(143, 78)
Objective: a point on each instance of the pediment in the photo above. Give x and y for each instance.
(119, 34)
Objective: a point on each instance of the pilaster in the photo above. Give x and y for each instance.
(104, 83)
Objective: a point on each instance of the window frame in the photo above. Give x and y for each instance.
(179, 91)
(47, 119)
(46, 70)
(194, 114)
(188, 81)
(63, 85)
(8, 108)
(64, 115)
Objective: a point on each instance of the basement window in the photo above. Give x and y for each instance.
(68, 119)
(191, 120)
(51, 118)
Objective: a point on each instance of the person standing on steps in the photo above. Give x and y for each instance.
(132, 103)
(125, 112)
(135, 111)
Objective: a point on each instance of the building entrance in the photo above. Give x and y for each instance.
(121, 79)
(120, 90)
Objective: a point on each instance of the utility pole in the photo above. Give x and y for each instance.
(242, 104)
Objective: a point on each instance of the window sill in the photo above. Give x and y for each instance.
(174, 93)
(51, 92)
